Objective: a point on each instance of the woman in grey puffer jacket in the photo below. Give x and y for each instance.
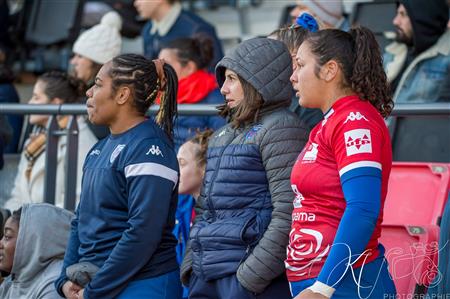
(238, 243)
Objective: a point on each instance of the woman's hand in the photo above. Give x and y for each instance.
(71, 290)
(308, 294)
(81, 294)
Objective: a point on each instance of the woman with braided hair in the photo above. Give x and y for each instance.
(121, 238)
(192, 160)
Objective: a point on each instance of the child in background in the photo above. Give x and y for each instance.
(192, 160)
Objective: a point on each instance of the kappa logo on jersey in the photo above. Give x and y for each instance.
(116, 152)
(298, 197)
(355, 116)
(358, 141)
(155, 151)
(311, 152)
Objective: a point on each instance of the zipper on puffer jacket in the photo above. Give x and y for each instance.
(202, 274)
(213, 178)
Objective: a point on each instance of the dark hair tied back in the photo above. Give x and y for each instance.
(359, 56)
(307, 21)
(148, 79)
(63, 86)
(198, 48)
(201, 139)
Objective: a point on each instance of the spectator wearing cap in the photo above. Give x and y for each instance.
(330, 14)
(168, 21)
(418, 62)
(96, 46)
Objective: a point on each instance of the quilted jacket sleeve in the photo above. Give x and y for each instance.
(186, 265)
(280, 146)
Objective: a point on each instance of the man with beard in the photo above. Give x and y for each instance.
(418, 62)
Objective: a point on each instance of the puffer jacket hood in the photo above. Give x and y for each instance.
(429, 21)
(264, 63)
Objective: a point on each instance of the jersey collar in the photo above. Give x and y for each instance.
(341, 102)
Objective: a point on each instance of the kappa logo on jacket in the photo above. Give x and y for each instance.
(95, 153)
(116, 152)
(155, 151)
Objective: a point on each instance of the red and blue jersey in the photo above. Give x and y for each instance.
(352, 141)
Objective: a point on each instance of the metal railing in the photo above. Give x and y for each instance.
(436, 109)
(71, 132)
(79, 109)
(200, 109)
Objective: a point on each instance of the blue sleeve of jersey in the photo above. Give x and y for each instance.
(362, 192)
(151, 181)
(71, 256)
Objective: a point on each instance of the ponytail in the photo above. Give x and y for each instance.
(368, 78)
(205, 47)
(201, 139)
(199, 49)
(167, 112)
(359, 57)
(63, 86)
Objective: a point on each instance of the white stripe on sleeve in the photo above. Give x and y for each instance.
(359, 164)
(150, 168)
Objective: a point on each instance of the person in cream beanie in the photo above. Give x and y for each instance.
(329, 13)
(103, 41)
(93, 48)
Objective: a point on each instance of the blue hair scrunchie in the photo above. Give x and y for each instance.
(308, 22)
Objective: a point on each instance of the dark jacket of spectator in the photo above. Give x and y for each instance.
(8, 94)
(4, 25)
(420, 72)
(186, 25)
(5, 135)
